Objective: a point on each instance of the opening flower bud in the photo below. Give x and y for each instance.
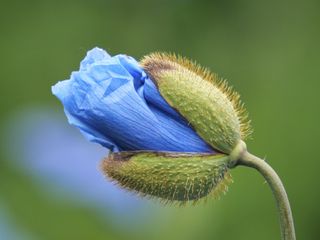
(169, 125)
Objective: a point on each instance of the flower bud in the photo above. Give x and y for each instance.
(173, 129)
(210, 106)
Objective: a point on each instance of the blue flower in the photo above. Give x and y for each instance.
(114, 103)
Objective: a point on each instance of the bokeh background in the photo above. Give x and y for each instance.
(50, 183)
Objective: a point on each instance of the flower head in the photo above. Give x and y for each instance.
(170, 125)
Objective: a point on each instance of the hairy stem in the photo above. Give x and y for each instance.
(279, 192)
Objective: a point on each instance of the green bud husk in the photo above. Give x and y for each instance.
(169, 176)
(208, 104)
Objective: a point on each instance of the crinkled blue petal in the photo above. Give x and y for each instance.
(114, 103)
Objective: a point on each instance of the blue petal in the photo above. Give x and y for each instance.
(113, 102)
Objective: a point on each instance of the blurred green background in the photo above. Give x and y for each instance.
(268, 50)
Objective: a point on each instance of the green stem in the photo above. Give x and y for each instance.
(286, 220)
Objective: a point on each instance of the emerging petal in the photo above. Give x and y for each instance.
(113, 102)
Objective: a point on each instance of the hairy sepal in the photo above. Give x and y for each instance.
(211, 107)
(169, 176)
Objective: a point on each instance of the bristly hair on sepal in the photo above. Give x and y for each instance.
(170, 177)
(162, 60)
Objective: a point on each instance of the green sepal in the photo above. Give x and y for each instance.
(209, 105)
(170, 176)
